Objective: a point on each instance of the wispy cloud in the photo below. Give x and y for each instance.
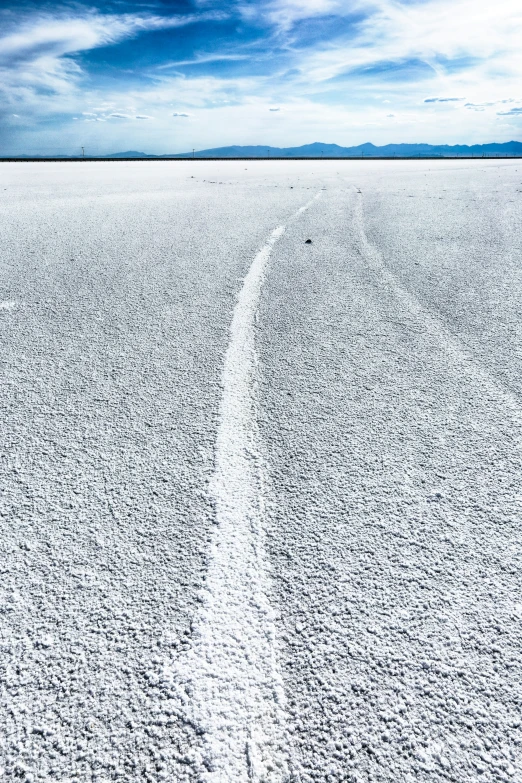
(37, 54)
(442, 100)
(516, 111)
(389, 32)
(203, 59)
(47, 36)
(115, 115)
(180, 114)
(479, 106)
(285, 13)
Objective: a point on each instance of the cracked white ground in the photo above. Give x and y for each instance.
(261, 499)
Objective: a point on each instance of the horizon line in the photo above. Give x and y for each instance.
(182, 158)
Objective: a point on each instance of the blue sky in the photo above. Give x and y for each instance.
(161, 76)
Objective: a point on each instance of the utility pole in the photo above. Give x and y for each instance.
(83, 152)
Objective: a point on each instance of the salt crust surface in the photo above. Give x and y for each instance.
(388, 417)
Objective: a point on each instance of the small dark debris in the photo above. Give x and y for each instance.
(308, 242)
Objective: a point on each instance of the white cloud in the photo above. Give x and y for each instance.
(48, 36)
(275, 109)
(36, 55)
(143, 117)
(119, 116)
(435, 32)
(180, 114)
(285, 13)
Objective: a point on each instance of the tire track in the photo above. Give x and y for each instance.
(229, 683)
(496, 390)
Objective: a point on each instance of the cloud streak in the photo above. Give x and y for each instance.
(46, 36)
(204, 59)
(442, 100)
(38, 55)
(516, 111)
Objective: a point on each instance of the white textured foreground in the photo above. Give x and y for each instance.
(260, 517)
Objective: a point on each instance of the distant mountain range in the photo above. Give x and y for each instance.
(319, 150)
